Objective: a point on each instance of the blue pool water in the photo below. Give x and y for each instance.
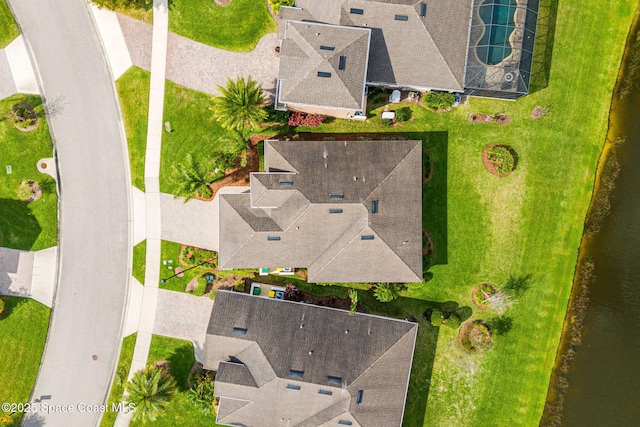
(494, 45)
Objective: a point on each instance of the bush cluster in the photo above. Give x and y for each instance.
(439, 100)
(277, 116)
(303, 119)
(386, 122)
(402, 114)
(503, 158)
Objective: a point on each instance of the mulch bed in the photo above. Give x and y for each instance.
(31, 115)
(493, 166)
(326, 301)
(537, 112)
(36, 191)
(307, 136)
(477, 290)
(498, 119)
(475, 337)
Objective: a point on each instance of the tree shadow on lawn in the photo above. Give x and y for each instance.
(19, 228)
(181, 361)
(543, 50)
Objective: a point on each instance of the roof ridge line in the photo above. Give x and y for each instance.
(339, 252)
(444, 59)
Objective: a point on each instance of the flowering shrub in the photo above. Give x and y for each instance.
(303, 119)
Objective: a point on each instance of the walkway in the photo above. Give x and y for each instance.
(152, 196)
(85, 331)
(29, 274)
(201, 67)
(16, 72)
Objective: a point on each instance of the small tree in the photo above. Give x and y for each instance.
(240, 105)
(436, 317)
(277, 4)
(150, 390)
(194, 177)
(500, 301)
(385, 292)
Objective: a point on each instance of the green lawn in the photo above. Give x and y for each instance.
(23, 330)
(139, 261)
(180, 412)
(29, 226)
(8, 27)
(486, 228)
(133, 90)
(237, 26)
(120, 380)
(169, 261)
(195, 130)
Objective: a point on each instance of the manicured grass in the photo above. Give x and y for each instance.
(486, 228)
(120, 380)
(23, 330)
(8, 27)
(195, 130)
(133, 90)
(180, 412)
(29, 226)
(237, 26)
(139, 261)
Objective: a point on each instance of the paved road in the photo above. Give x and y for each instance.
(84, 336)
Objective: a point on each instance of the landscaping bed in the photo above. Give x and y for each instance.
(498, 119)
(499, 159)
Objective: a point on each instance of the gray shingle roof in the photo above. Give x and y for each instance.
(312, 75)
(367, 353)
(418, 51)
(321, 214)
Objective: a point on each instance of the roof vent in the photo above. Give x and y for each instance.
(335, 211)
(401, 18)
(327, 392)
(423, 9)
(295, 373)
(293, 386)
(374, 206)
(342, 63)
(273, 238)
(359, 397)
(286, 183)
(336, 196)
(356, 11)
(367, 237)
(322, 47)
(239, 331)
(323, 74)
(345, 422)
(334, 380)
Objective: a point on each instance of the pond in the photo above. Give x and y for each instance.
(497, 15)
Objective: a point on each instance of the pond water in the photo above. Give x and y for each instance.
(604, 379)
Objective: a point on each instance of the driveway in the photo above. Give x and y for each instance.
(85, 330)
(183, 316)
(199, 66)
(195, 223)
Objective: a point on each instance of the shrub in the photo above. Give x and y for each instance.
(385, 292)
(439, 100)
(276, 116)
(277, 4)
(201, 394)
(302, 119)
(403, 114)
(503, 158)
(436, 317)
(24, 191)
(239, 286)
(386, 122)
(475, 337)
(449, 306)
(453, 321)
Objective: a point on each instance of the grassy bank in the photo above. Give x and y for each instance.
(23, 330)
(120, 380)
(180, 412)
(8, 27)
(237, 26)
(29, 226)
(133, 90)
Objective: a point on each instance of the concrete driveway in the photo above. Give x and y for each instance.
(183, 316)
(201, 67)
(195, 223)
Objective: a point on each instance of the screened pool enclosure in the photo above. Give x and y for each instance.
(501, 43)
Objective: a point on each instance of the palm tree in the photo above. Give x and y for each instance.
(240, 106)
(193, 178)
(150, 390)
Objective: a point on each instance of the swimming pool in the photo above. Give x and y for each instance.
(497, 16)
